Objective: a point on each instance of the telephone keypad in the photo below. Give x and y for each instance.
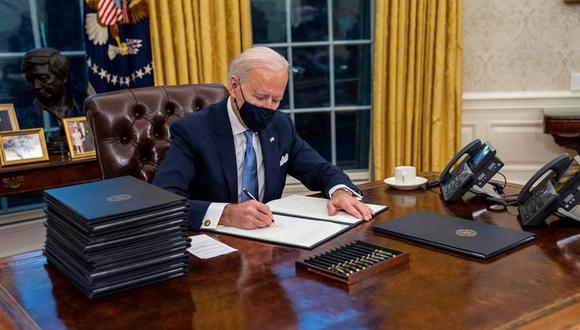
(454, 183)
(536, 203)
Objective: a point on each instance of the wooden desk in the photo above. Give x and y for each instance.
(258, 287)
(57, 172)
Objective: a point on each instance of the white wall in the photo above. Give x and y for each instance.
(518, 57)
(520, 45)
(514, 124)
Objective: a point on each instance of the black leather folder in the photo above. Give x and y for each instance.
(116, 234)
(178, 220)
(106, 287)
(120, 223)
(110, 268)
(471, 238)
(111, 199)
(128, 254)
(133, 242)
(113, 271)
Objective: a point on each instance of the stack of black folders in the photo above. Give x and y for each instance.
(116, 234)
(353, 262)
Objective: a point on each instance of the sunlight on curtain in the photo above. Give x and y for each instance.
(417, 84)
(193, 41)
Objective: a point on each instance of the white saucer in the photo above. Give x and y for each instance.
(419, 181)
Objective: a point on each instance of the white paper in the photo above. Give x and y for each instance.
(314, 207)
(301, 221)
(205, 247)
(289, 230)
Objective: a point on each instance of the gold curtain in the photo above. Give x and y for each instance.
(193, 41)
(417, 84)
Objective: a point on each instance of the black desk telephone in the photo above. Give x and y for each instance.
(555, 185)
(477, 167)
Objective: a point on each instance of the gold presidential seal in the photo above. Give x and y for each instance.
(118, 198)
(465, 232)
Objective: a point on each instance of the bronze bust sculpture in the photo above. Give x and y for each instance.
(47, 72)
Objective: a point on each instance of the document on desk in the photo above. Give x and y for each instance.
(205, 247)
(300, 221)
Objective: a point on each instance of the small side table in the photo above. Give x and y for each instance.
(564, 126)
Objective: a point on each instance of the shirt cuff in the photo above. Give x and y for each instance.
(343, 186)
(212, 216)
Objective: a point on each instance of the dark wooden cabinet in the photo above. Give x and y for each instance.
(565, 130)
(56, 172)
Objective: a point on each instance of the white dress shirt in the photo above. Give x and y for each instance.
(215, 210)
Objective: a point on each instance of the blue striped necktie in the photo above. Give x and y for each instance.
(250, 173)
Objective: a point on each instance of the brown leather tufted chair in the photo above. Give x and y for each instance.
(131, 127)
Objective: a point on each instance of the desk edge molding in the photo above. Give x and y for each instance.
(15, 311)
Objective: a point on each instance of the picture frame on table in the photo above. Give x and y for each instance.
(8, 119)
(79, 137)
(22, 147)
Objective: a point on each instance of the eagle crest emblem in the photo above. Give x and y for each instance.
(107, 18)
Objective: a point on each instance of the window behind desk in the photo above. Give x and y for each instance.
(27, 24)
(328, 45)
(327, 42)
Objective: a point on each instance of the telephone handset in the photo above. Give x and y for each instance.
(477, 168)
(538, 199)
(471, 149)
(568, 187)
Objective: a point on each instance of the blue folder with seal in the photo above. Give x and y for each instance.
(116, 234)
(471, 238)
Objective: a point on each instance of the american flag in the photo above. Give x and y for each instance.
(110, 25)
(125, 11)
(109, 13)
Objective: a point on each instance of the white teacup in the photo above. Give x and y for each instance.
(405, 174)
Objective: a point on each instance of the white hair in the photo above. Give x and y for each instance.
(257, 57)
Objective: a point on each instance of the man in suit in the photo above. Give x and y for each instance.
(243, 143)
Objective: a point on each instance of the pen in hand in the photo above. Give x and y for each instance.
(250, 196)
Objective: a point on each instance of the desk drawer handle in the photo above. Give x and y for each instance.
(13, 182)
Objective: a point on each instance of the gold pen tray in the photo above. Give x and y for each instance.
(353, 262)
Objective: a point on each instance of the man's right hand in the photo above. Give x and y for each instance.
(247, 215)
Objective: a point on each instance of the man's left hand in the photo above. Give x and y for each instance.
(342, 200)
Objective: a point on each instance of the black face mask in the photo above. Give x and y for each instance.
(256, 118)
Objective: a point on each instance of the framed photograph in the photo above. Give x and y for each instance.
(8, 121)
(21, 147)
(79, 137)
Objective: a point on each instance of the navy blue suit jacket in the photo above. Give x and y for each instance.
(201, 163)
